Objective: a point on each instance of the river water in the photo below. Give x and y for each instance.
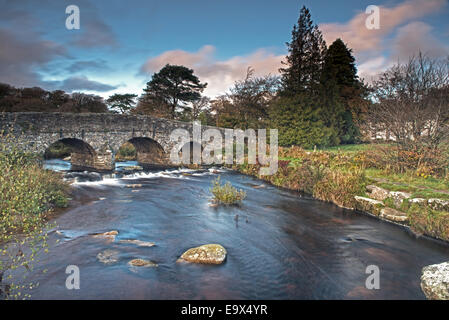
(283, 245)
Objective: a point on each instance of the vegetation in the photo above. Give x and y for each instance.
(121, 103)
(28, 194)
(170, 89)
(39, 100)
(226, 193)
(57, 150)
(126, 152)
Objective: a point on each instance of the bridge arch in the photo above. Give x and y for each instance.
(82, 154)
(149, 151)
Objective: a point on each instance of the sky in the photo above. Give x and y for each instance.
(120, 44)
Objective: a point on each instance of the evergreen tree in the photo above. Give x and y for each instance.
(171, 88)
(339, 77)
(299, 122)
(305, 57)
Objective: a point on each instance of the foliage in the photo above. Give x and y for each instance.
(226, 193)
(431, 222)
(122, 103)
(172, 88)
(126, 152)
(27, 195)
(57, 150)
(306, 52)
(39, 100)
(299, 122)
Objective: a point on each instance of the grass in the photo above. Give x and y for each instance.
(226, 193)
(350, 148)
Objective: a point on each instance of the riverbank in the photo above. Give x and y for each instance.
(355, 178)
(28, 196)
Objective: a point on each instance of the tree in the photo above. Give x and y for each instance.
(81, 102)
(305, 58)
(339, 77)
(299, 122)
(173, 87)
(121, 103)
(411, 103)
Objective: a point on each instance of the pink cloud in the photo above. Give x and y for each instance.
(362, 39)
(219, 74)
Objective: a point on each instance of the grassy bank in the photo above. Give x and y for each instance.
(339, 174)
(28, 194)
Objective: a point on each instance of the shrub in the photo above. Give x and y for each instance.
(27, 193)
(432, 222)
(126, 152)
(226, 193)
(340, 186)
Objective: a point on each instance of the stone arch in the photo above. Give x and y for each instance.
(149, 151)
(190, 145)
(82, 154)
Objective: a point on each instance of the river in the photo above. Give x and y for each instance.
(284, 245)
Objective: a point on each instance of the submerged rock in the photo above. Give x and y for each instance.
(110, 235)
(135, 185)
(435, 281)
(208, 254)
(138, 242)
(135, 264)
(108, 256)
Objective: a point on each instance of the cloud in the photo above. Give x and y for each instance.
(21, 58)
(80, 83)
(415, 37)
(95, 33)
(362, 39)
(88, 65)
(399, 36)
(219, 74)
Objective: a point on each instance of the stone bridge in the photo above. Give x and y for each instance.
(94, 138)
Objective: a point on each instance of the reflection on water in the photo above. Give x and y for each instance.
(283, 246)
(62, 165)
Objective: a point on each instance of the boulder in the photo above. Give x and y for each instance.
(208, 254)
(108, 256)
(438, 204)
(398, 197)
(418, 201)
(393, 215)
(435, 281)
(368, 205)
(377, 193)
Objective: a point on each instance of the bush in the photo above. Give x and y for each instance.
(340, 186)
(27, 193)
(126, 152)
(226, 193)
(428, 221)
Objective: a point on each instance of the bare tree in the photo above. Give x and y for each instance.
(411, 102)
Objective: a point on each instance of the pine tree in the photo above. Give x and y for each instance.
(305, 57)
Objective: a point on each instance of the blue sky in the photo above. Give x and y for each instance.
(121, 43)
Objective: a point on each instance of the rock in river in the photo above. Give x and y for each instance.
(208, 254)
(108, 256)
(136, 264)
(139, 243)
(110, 235)
(435, 281)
